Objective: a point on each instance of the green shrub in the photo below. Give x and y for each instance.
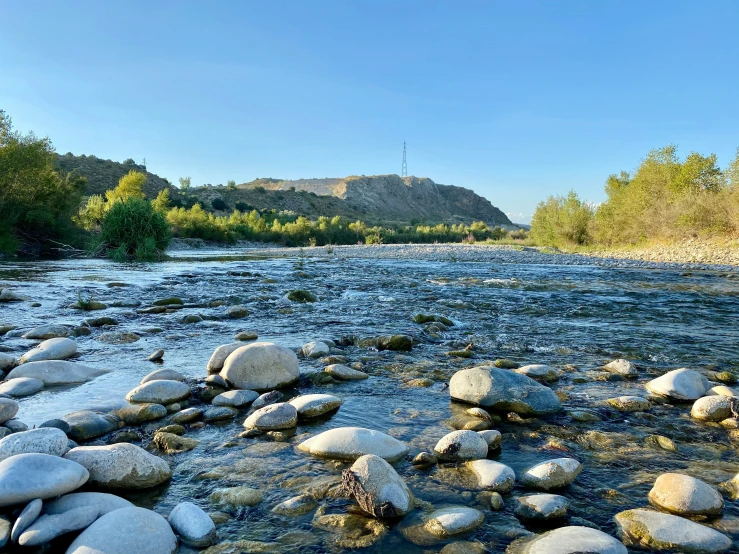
(133, 228)
(562, 221)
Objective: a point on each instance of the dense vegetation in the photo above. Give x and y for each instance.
(665, 199)
(36, 200)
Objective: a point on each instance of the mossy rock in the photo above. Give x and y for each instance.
(88, 305)
(173, 300)
(460, 353)
(398, 343)
(301, 296)
(173, 444)
(427, 318)
(504, 363)
(726, 377)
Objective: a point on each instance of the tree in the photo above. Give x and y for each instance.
(185, 184)
(161, 202)
(231, 185)
(562, 221)
(129, 186)
(37, 202)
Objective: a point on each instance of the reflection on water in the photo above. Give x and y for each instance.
(574, 316)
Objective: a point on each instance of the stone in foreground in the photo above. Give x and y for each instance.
(8, 409)
(126, 531)
(621, 367)
(570, 540)
(377, 487)
(44, 440)
(350, 443)
(159, 392)
(261, 366)
(87, 424)
(345, 373)
(679, 384)
(121, 466)
(460, 446)
(553, 474)
(192, 525)
(48, 527)
(542, 506)
(499, 389)
(59, 348)
(712, 408)
(448, 522)
(21, 386)
(57, 372)
(217, 359)
(103, 503)
(235, 398)
(25, 477)
(314, 405)
(273, 418)
(686, 496)
(492, 475)
(657, 531)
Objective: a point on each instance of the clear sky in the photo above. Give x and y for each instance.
(516, 100)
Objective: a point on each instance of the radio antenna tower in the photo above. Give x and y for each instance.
(404, 170)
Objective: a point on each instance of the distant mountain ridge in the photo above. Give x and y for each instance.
(379, 199)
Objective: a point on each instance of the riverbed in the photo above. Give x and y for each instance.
(574, 315)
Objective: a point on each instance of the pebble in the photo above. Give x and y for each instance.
(193, 525)
(29, 514)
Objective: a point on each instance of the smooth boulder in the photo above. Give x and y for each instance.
(712, 408)
(538, 371)
(121, 466)
(25, 477)
(272, 418)
(621, 367)
(218, 358)
(21, 386)
(658, 531)
(499, 389)
(452, 521)
(44, 440)
(552, 474)
(192, 525)
(679, 384)
(460, 446)
(492, 475)
(103, 503)
(345, 373)
(159, 392)
(57, 372)
(261, 366)
(573, 540)
(235, 398)
(315, 349)
(686, 496)
(48, 527)
(8, 409)
(126, 531)
(59, 348)
(86, 424)
(377, 487)
(314, 405)
(163, 375)
(542, 506)
(350, 443)
(48, 332)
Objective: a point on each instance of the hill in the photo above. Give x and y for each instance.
(381, 199)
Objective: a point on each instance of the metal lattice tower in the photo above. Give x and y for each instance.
(404, 170)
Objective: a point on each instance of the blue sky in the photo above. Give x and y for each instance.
(516, 100)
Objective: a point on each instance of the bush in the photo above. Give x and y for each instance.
(562, 221)
(219, 204)
(132, 228)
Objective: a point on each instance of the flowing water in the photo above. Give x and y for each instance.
(575, 318)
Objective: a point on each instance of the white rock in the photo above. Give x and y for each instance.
(193, 525)
(48, 527)
(492, 476)
(377, 487)
(314, 405)
(349, 443)
(686, 496)
(344, 373)
(8, 409)
(539, 371)
(235, 398)
(712, 408)
(29, 514)
(722, 390)
(25, 477)
(266, 399)
(217, 359)
(453, 521)
(499, 389)
(297, 505)
(680, 384)
(574, 540)
(121, 466)
(59, 348)
(622, 367)
(57, 372)
(44, 440)
(460, 446)
(273, 417)
(492, 437)
(658, 531)
(21, 386)
(552, 474)
(542, 506)
(261, 366)
(315, 350)
(163, 375)
(5, 528)
(159, 392)
(7, 295)
(126, 531)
